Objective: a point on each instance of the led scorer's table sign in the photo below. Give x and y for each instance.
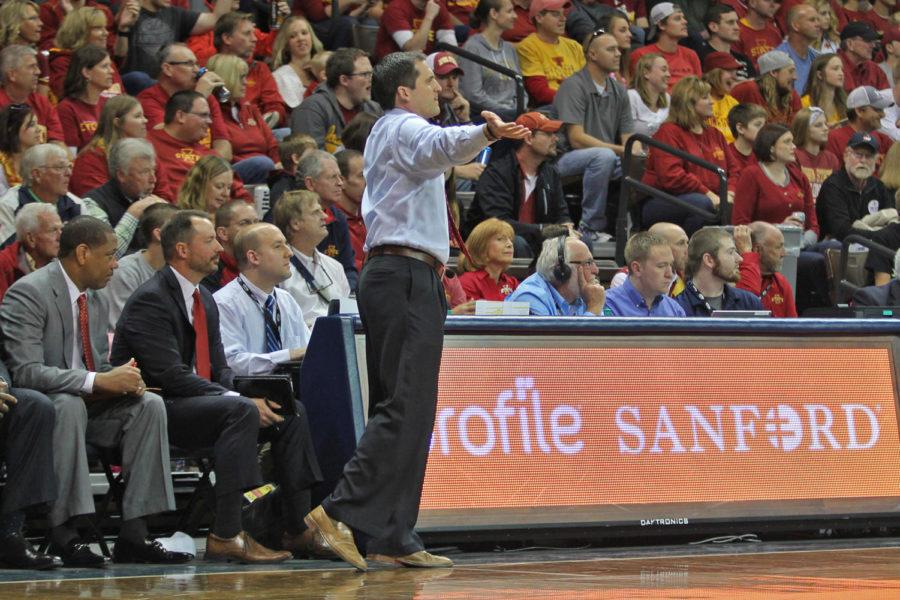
(576, 429)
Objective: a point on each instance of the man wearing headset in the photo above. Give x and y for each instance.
(565, 283)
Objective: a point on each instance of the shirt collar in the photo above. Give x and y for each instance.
(258, 293)
(635, 297)
(562, 304)
(306, 260)
(187, 288)
(74, 292)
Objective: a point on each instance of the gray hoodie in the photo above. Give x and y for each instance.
(486, 89)
(320, 116)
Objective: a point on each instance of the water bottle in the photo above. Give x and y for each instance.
(222, 93)
(484, 156)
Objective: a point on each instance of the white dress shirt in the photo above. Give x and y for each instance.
(243, 328)
(77, 363)
(329, 277)
(404, 202)
(187, 291)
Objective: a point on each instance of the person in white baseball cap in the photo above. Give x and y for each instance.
(773, 89)
(668, 21)
(865, 109)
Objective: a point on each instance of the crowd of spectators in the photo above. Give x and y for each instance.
(140, 138)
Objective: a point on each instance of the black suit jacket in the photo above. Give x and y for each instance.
(155, 330)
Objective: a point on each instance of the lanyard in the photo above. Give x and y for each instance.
(276, 324)
(709, 308)
(766, 291)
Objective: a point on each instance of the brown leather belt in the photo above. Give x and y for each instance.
(390, 250)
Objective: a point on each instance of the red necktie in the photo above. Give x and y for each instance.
(201, 344)
(87, 355)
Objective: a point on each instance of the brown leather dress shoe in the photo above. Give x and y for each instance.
(242, 548)
(336, 536)
(420, 559)
(309, 544)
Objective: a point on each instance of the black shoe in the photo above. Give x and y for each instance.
(17, 553)
(150, 551)
(78, 554)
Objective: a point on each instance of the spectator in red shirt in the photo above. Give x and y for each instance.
(857, 45)
(19, 131)
(38, 228)
(686, 129)
(86, 26)
(254, 149)
(523, 27)
(881, 15)
(760, 270)
(413, 26)
(337, 32)
(491, 247)
(745, 121)
(18, 85)
(865, 109)
(231, 218)
(90, 74)
(177, 143)
(810, 131)
(207, 185)
(54, 12)
(777, 191)
(22, 25)
(671, 23)
(121, 117)
(774, 89)
(234, 36)
(178, 72)
(759, 33)
(350, 162)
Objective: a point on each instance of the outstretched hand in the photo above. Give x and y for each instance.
(499, 129)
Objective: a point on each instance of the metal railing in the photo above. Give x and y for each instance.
(723, 215)
(487, 64)
(844, 288)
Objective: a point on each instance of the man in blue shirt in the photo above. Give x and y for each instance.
(650, 272)
(402, 306)
(713, 263)
(565, 282)
(803, 30)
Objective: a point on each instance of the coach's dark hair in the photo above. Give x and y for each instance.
(179, 230)
(180, 102)
(394, 70)
(83, 230)
(341, 63)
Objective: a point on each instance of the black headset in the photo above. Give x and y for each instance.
(561, 270)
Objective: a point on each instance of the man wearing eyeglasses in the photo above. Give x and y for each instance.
(855, 193)
(178, 72)
(565, 283)
(347, 92)
(19, 73)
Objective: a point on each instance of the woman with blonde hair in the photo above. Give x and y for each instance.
(295, 45)
(82, 27)
(20, 24)
(825, 88)
(491, 246)
(687, 130)
(207, 185)
(649, 96)
(253, 146)
(890, 172)
(830, 42)
(121, 117)
(810, 131)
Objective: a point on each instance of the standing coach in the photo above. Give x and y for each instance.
(402, 306)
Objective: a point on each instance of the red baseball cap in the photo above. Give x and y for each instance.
(720, 60)
(443, 63)
(539, 122)
(538, 6)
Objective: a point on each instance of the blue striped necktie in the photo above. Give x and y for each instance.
(273, 342)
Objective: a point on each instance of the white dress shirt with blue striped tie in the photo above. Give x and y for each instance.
(243, 328)
(404, 202)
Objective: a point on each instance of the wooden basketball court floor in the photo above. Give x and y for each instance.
(821, 570)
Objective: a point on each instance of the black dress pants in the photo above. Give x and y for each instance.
(403, 306)
(26, 434)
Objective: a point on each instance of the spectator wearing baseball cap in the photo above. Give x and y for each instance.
(853, 193)
(865, 109)
(773, 89)
(523, 188)
(597, 113)
(890, 43)
(413, 26)
(547, 56)
(485, 88)
(454, 106)
(720, 72)
(857, 45)
(759, 33)
(669, 23)
(803, 30)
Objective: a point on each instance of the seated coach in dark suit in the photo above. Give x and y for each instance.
(171, 326)
(54, 335)
(26, 443)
